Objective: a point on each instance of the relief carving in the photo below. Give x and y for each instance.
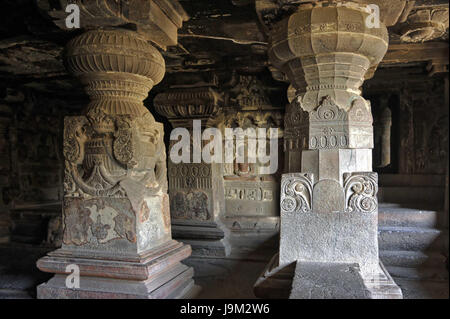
(97, 221)
(190, 175)
(77, 222)
(361, 190)
(296, 192)
(191, 205)
(332, 127)
(248, 193)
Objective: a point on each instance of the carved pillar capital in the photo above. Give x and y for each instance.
(182, 105)
(327, 51)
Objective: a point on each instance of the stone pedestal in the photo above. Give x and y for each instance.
(196, 188)
(116, 214)
(329, 211)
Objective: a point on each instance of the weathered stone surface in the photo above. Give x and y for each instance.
(251, 196)
(320, 233)
(328, 197)
(329, 211)
(328, 281)
(196, 189)
(116, 214)
(156, 20)
(424, 24)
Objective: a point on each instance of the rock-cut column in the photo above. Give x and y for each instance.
(195, 187)
(329, 210)
(116, 216)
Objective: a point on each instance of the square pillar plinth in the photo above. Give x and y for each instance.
(118, 254)
(197, 199)
(156, 274)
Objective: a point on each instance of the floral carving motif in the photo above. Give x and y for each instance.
(296, 192)
(124, 144)
(361, 190)
(328, 111)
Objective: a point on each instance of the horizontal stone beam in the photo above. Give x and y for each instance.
(416, 52)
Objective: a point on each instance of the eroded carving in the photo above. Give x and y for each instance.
(425, 24)
(190, 205)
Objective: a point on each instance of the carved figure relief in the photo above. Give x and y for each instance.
(191, 205)
(97, 221)
(54, 231)
(77, 222)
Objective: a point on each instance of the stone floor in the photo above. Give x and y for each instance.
(234, 279)
(228, 278)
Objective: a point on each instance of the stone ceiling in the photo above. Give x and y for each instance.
(220, 36)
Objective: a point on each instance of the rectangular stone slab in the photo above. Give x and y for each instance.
(328, 281)
(343, 237)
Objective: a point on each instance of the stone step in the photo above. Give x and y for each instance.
(407, 217)
(411, 238)
(14, 294)
(436, 274)
(418, 195)
(412, 259)
(422, 289)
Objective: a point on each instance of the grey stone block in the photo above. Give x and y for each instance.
(328, 281)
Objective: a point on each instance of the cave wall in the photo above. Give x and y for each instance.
(420, 120)
(31, 166)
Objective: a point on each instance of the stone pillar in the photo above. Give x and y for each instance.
(406, 154)
(294, 142)
(196, 188)
(251, 196)
(116, 216)
(382, 134)
(446, 218)
(329, 210)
